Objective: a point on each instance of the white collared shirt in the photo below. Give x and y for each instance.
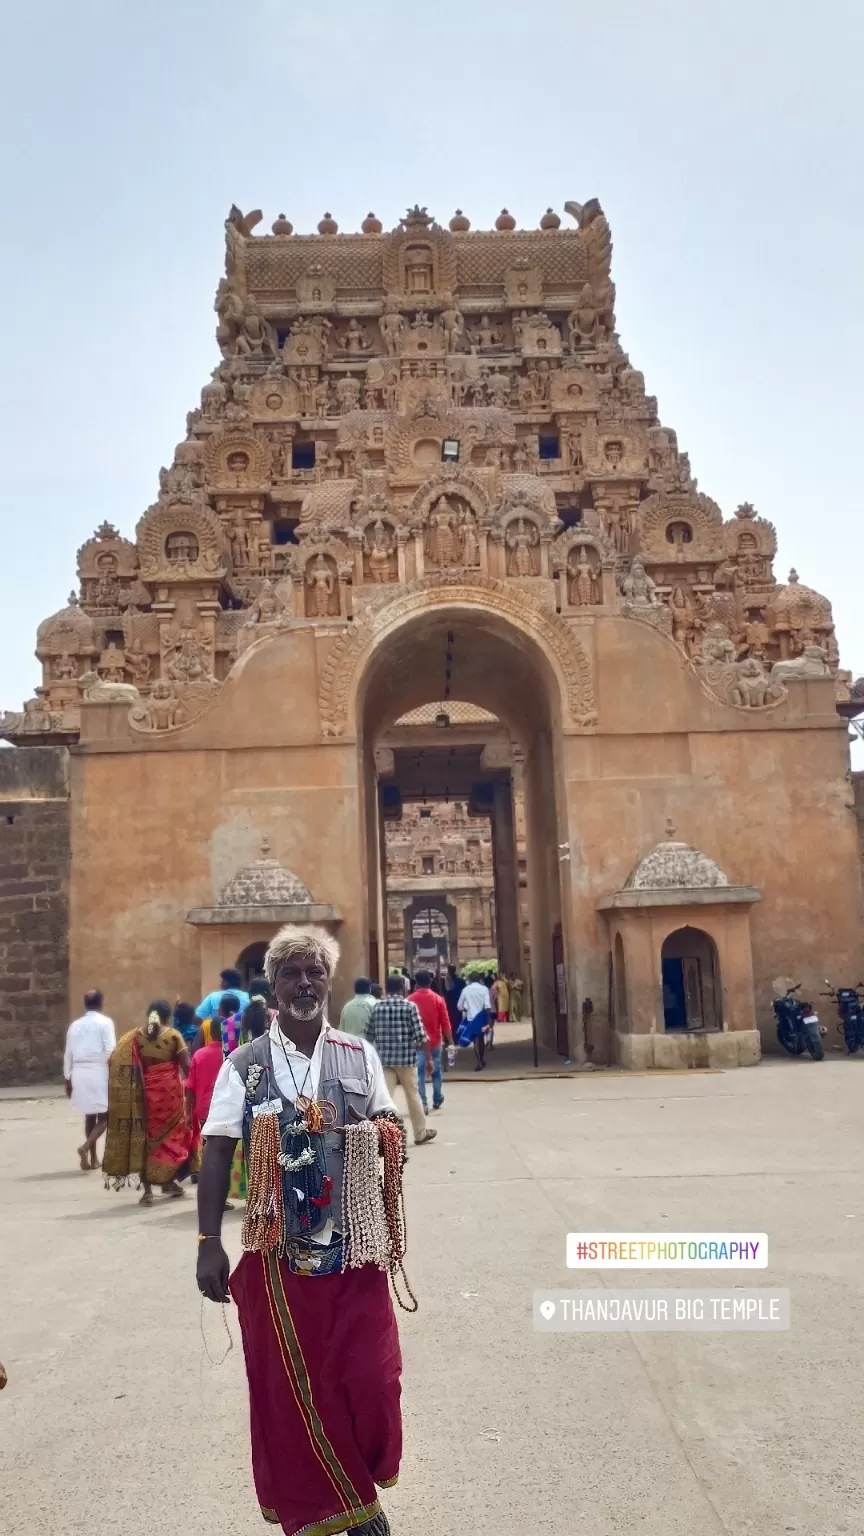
(474, 999)
(295, 1074)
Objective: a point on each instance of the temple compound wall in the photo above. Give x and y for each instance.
(426, 469)
(34, 911)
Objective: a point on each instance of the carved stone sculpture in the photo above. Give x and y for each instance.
(522, 539)
(322, 589)
(583, 585)
(812, 662)
(638, 587)
(95, 690)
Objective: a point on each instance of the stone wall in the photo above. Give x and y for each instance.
(34, 912)
(858, 793)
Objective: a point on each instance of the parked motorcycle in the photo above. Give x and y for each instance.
(798, 1027)
(850, 1007)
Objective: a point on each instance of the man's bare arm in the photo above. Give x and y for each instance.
(213, 1184)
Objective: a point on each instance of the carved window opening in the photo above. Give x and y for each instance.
(428, 864)
(114, 637)
(302, 455)
(571, 517)
(282, 334)
(549, 447)
(426, 813)
(181, 548)
(679, 533)
(285, 530)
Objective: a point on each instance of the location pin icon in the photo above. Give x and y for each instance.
(547, 1309)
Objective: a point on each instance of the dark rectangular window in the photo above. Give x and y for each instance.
(549, 447)
(426, 812)
(428, 865)
(283, 531)
(303, 455)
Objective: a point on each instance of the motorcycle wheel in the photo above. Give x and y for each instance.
(814, 1041)
(852, 1042)
(790, 1043)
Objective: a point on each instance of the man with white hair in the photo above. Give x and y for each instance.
(320, 1341)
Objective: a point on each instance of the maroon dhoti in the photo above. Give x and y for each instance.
(323, 1362)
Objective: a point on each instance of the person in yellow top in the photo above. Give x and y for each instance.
(500, 990)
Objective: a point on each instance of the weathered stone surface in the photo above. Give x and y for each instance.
(34, 912)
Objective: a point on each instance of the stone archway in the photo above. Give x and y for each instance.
(503, 652)
(522, 611)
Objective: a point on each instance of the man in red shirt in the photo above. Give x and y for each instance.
(436, 1022)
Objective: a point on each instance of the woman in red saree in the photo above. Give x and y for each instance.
(149, 1138)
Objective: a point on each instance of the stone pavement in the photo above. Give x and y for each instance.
(114, 1423)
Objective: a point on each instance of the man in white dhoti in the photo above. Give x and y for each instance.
(89, 1043)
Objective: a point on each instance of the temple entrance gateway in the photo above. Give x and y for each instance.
(460, 496)
(466, 653)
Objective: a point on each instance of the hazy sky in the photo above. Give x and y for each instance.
(723, 139)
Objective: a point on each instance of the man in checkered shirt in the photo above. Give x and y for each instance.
(396, 1030)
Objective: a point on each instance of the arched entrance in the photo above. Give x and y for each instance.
(691, 980)
(461, 645)
(250, 962)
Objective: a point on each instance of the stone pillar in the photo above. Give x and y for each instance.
(506, 871)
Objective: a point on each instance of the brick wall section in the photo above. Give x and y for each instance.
(34, 912)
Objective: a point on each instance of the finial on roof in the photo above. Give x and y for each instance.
(265, 846)
(793, 577)
(670, 828)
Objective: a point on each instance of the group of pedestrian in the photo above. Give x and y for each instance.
(149, 1093)
(409, 1030)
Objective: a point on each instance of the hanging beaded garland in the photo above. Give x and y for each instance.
(373, 1211)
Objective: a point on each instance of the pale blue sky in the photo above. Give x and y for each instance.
(724, 141)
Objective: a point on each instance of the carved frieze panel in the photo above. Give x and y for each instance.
(274, 398)
(683, 527)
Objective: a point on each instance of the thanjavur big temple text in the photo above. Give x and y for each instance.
(425, 471)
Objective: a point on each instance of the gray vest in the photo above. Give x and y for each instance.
(344, 1081)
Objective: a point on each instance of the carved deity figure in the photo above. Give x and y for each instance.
(322, 587)
(190, 663)
(379, 550)
(112, 664)
(583, 321)
(322, 397)
(584, 586)
(391, 325)
(265, 609)
(522, 541)
(638, 587)
(354, 340)
(498, 389)
(442, 542)
(683, 614)
(65, 670)
(138, 663)
(348, 393)
(470, 541)
(253, 338)
(485, 335)
(454, 328)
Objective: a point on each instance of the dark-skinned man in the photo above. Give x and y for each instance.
(321, 1346)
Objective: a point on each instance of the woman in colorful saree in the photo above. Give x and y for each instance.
(148, 1138)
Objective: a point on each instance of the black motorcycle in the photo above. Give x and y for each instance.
(798, 1027)
(851, 1010)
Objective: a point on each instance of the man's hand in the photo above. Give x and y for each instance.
(68, 1087)
(213, 1270)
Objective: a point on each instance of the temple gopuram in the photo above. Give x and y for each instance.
(426, 473)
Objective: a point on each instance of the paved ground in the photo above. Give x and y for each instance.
(114, 1423)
